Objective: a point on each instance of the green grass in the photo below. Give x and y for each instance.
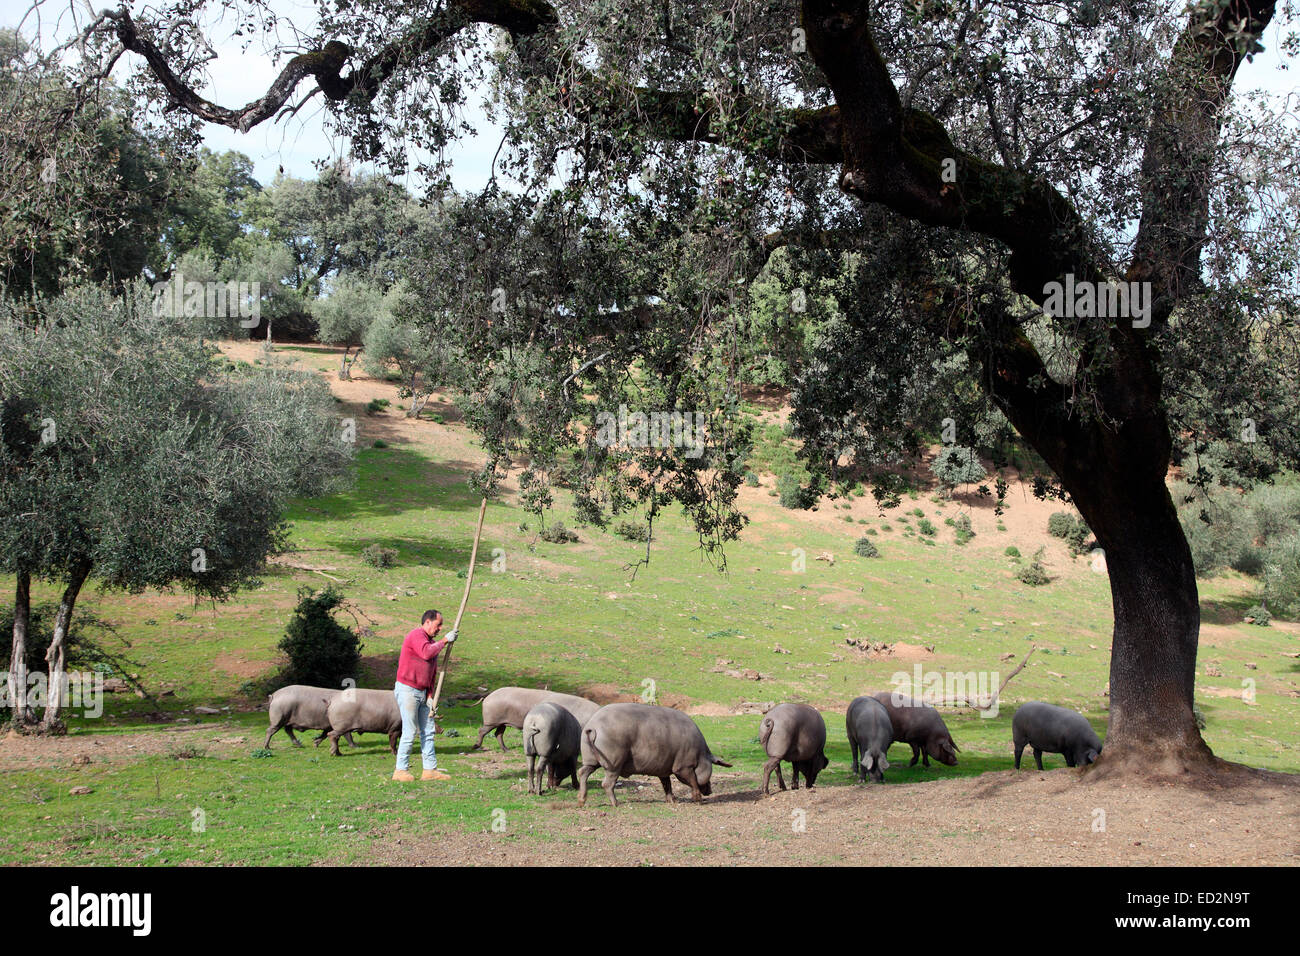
(570, 616)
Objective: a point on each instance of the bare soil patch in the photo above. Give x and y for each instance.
(29, 751)
(1008, 818)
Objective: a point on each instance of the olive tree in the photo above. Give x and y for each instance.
(132, 456)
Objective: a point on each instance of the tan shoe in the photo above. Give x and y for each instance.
(403, 775)
(435, 775)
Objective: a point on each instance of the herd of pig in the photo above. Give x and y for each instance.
(568, 736)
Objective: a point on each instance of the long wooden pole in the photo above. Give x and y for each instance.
(469, 581)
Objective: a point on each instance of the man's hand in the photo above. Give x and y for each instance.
(451, 636)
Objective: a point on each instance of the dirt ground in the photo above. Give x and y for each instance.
(1007, 818)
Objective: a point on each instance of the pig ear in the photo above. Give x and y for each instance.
(716, 760)
(868, 761)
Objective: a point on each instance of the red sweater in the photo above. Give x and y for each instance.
(418, 665)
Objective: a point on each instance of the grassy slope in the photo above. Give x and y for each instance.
(570, 617)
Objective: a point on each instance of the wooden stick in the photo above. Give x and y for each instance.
(469, 580)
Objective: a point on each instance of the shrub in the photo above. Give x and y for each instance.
(557, 533)
(1060, 524)
(963, 528)
(322, 652)
(790, 492)
(1033, 573)
(866, 548)
(1012, 551)
(1260, 615)
(1078, 538)
(926, 527)
(379, 443)
(751, 479)
(632, 531)
(376, 405)
(379, 557)
(1282, 578)
(957, 465)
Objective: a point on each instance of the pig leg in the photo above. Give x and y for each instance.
(482, 732)
(611, 778)
(393, 738)
(1020, 749)
(334, 744)
(1038, 758)
(668, 788)
(501, 737)
(1069, 759)
(794, 775)
(289, 730)
(916, 755)
(583, 773)
(779, 779)
(269, 734)
(532, 765)
(771, 764)
(853, 746)
(689, 777)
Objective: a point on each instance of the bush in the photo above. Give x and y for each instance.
(632, 531)
(957, 465)
(557, 533)
(1060, 524)
(1282, 578)
(379, 557)
(926, 527)
(790, 492)
(322, 652)
(1012, 551)
(379, 443)
(1259, 615)
(1033, 573)
(751, 479)
(376, 405)
(963, 529)
(866, 548)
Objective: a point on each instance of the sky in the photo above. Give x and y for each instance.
(239, 76)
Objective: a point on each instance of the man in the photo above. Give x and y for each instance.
(417, 669)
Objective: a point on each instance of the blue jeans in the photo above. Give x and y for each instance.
(416, 716)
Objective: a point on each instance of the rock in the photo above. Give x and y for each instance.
(779, 650)
(207, 710)
(1251, 665)
(80, 791)
(80, 760)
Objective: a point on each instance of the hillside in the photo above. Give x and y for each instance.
(717, 645)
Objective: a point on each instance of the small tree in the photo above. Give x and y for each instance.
(394, 338)
(345, 315)
(957, 465)
(322, 652)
